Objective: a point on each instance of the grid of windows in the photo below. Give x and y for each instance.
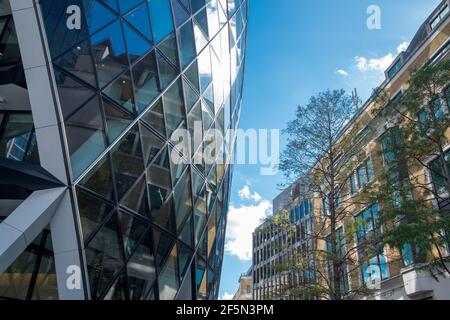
(135, 72)
(374, 265)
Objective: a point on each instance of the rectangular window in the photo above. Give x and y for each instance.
(395, 68)
(341, 252)
(391, 142)
(361, 176)
(438, 175)
(435, 22)
(374, 267)
(354, 183)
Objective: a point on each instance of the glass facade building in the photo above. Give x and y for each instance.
(93, 94)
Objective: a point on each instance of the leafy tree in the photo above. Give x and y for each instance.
(319, 152)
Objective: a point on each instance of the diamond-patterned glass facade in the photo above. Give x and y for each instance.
(133, 73)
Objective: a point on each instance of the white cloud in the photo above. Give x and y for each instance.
(342, 72)
(227, 296)
(375, 64)
(243, 221)
(244, 193)
(402, 47)
(379, 64)
(256, 196)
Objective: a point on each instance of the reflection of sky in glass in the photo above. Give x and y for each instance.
(139, 19)
(97, 15)
(113, 36)
(161, 15)
(136, 44)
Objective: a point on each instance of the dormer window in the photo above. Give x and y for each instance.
(441, 16)
(395, 68)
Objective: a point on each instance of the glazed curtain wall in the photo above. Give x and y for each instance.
(133, 73)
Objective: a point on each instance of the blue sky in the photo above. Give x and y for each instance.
(297, 48)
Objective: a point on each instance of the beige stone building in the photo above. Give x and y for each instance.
(245, 291)
(391, 274)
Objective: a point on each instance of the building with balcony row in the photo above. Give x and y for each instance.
(390, 273)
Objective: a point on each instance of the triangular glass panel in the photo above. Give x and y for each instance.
(183, 200)
(196, 5)
(72, 93)
(191, 97)
(137, 199)
(85, 135)
(117, 119)
(192, 75)
(127, 5)
(155, 117)
(186, 41)
(137, 46)
(195, 126)
(99, 179)
(174, 107)
(164, 215)
(132, 231)
(206, 116)
(204, 69)
(202, 20)
(184, 258)
(139, 19)
(208, 97)
(185, 292)
(109, 53)
(96, 15)
(200, 217)
(118, 291)
(103, 258)
(128, 164)
(151, 143)
(79, 62)
(186, 233)
(177, 165)
(169, 49)
(161, 18)
(159, 181)
(180, 13)
(141, 269)
(169, 278)
(200, 277)
(163, 243)
(200, 38)
(146, 81)
(187, 5)
(167, 72)
(112, 4)
(92, 212)
(121, 91)
(198, 184)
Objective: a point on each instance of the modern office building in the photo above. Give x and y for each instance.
(275, 245)
(93, 94)
(392, 273)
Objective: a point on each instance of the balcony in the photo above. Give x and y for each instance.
(417, 280)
